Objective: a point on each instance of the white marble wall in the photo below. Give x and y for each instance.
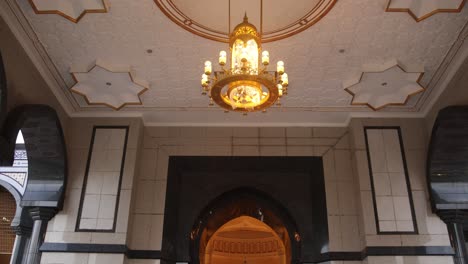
(102, 184)
(81, 258)
(331, 143)
(432, 231)
(392, 199)
(61, 229)
(349, 202)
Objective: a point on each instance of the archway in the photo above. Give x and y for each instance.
(233, 208)
(7, 214)
(244, 240)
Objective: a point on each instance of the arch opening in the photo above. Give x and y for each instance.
(17, 174)
(244, 240)
(254, 211)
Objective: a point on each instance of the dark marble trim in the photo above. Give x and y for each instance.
(330, 256)
(410, 251)
(84, 248)
(408, 182)
(143, 254)
(100, 248)
(85, 181)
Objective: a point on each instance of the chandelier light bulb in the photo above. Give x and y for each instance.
(207, 67)
(280, 67)
(222, 58)
(280, 89)
(204, 80)
(265, 58)
(244, 55)
(284, 79)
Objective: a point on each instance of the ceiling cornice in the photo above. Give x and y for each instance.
(19, 25)
(453, 57)
(451, 65)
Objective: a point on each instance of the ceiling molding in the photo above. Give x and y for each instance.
(450, 79)
(19, 25)
(422, 9)
(446, 71)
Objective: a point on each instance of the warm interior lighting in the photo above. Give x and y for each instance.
(207, 67)
(280, 67)
(222, 58)
(284, 79)
(253, 240)
(280, 89)
(265, 58)
(245, 87)
(204, 80)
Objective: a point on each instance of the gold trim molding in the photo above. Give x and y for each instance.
(419, 19)
(60, 13)
(170, 9)
(145, 86)
(403, 69)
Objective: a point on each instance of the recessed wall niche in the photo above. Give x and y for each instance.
(101, 185)
(204, 193)
(393, 202)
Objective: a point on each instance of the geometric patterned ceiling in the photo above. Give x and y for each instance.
(318, 59)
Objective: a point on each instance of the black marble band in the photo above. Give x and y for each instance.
(330, 256)
(84, 248)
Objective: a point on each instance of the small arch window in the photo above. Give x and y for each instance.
(17, 175)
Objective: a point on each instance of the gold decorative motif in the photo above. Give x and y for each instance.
(74, 89)
(408, 96)
(311, 17)
(218, 98)
(245, 31)
(419, 19)
(60, 13)
(245, 87)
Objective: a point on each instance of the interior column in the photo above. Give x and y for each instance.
(21, 242)
(454, 220)
(40, 216)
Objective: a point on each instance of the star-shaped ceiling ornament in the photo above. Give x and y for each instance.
(72, 10)
(422, 9)
(110, 85)
(385, 84)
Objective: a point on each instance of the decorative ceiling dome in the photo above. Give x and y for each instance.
(213, 19)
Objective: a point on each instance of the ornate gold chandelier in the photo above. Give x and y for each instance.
(245, 87)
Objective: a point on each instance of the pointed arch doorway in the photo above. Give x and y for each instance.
(244, 240)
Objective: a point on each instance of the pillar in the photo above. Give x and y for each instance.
(23, 233)
(454, 220)
(40, 217)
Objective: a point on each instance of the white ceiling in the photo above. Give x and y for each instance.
(318, 60)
